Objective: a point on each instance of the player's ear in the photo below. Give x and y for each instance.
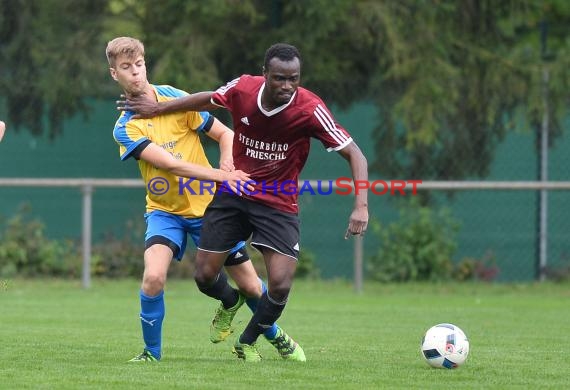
(113, 73)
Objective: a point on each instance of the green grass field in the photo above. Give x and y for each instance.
(55, 335)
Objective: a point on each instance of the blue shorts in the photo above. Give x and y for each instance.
(172, 230)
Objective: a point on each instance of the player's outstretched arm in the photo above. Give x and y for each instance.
(358, 221)
(161, 159)
(148, 108)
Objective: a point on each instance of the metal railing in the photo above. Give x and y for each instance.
(87, 186)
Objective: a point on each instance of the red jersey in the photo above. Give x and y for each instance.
(273, 146)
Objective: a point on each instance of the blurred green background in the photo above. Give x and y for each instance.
(430, 90)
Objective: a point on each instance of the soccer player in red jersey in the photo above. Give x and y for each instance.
(274, 120)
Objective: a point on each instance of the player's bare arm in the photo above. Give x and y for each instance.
(358, 221)
(2, 129)
(148, 108)
(161, 159)
(224, 136)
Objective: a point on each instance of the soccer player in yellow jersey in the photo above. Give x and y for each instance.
(180, 184)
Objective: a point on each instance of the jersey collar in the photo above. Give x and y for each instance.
(276, 110)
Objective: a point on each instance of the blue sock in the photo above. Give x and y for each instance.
(252, 304)
(152, 314)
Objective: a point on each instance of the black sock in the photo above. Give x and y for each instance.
(221, 290)
(266, 314)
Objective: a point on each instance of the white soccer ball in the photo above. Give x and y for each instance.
(445, 346)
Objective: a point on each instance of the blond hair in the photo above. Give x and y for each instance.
(131, 47)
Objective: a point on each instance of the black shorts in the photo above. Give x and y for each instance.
(230, 218)
(238, 257)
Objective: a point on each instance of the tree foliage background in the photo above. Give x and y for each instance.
(449, 78)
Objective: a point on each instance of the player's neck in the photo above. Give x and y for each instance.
(266, 102)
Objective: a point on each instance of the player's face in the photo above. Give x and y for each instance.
(281, 80)
(130, 73)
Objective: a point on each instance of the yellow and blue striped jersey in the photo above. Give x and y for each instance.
(177, 133)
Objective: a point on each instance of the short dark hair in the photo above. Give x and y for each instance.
(283, 51)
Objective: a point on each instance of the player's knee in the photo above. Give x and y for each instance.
(153, 283)
(280, 287)
(203, 276)
(251, 290)
(279, 294)
(200, 279)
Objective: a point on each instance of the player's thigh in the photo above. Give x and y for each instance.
(280, 270)
(208, 265)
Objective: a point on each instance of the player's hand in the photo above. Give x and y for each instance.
(227, 162)
(238, 181)
(141, 105)
(357, 223)
(227, 165)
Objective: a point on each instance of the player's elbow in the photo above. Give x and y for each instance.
(170, 165)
